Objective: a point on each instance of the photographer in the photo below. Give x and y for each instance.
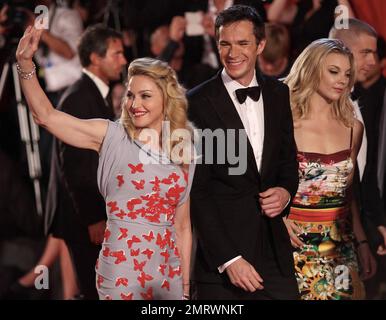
(57, 54)
(3, 18)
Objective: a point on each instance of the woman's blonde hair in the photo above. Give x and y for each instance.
(175, 103)
(305, 75)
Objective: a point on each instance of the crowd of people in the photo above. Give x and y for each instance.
(135, 208)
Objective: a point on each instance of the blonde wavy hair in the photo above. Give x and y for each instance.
(305, 75)
(174, 99)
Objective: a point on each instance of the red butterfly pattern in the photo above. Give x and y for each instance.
(122, 281)
(107, 234)
(121, 214)
(120, 179)
(162, 268)
(148, 252)
(133, 202)
(136, 168)
(176, 253)
(149, 236)
(173, 272)
(119, 256)
(134, 239)
(174, 176)
(138, 266)
(148, 295)
(166, 285)
(106, 252)
(156, 183)
(160, 242)
(167, 181)
(134, 253)
(128, 296)
(143, 277)
(123, 234)
(175, 192)
(186, 176)
(113, 206)
(166, 255)
(139, 185)
(153, 218)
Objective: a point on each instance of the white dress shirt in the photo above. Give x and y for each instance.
(362, 154)
(252, 116)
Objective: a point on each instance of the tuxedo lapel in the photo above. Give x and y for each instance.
(104, 107)
(223, 105)
(269, 123)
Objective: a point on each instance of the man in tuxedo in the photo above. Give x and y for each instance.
(243, 248)
(361, 39)
(74, 199)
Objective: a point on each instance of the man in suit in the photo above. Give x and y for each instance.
(243, 248)
(74, 198)
(361, 39)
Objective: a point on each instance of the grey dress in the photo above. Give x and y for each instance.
(139, 258)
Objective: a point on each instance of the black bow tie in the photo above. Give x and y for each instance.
(252, 92)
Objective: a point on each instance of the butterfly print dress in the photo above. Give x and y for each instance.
(139, 258)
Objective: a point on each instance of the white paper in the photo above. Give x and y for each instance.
(194, 23)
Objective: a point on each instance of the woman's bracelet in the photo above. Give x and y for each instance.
(26, 75)
(186, 284)
(186, 297)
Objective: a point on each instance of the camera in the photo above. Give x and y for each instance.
(17, 18)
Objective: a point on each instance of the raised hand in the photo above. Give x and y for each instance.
(28, 45)
(208, 24)
(177, 28)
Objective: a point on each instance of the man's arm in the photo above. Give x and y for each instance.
(288, 176)
(217, 247)
(57, 45)
(65, 38)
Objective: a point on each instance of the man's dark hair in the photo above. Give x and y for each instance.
(238, 13)
(95, 39)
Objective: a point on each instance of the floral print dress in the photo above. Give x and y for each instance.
(326, 267)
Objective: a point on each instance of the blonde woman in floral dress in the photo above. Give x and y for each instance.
(324, 223)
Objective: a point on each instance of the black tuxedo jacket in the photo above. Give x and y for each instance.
(73, 197)
(225, 210)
